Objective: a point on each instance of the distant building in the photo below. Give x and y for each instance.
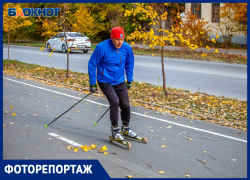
(209, 12)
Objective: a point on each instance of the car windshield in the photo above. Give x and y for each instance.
(76, 35)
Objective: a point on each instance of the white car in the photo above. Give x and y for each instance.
(76, 41)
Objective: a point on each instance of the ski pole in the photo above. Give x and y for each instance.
(68, 110)
(102, 116)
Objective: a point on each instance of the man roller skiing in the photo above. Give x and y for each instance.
(113, 58)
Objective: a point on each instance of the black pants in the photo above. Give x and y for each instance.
(117, 95)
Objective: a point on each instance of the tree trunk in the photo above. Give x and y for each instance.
(67, 75)
(8, 45)
(163, 72)
(226, 47)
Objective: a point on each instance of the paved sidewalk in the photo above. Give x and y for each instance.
(242, 52)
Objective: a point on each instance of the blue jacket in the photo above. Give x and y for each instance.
(110, 63)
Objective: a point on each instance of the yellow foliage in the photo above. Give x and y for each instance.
(13, 23)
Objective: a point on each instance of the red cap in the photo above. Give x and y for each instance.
(117, 32)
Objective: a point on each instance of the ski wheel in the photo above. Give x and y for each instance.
(144, 140)
(111, 138)
(128, 145)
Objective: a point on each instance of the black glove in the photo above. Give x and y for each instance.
(93, 88)
(129, 85)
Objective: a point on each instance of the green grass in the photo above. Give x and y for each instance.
(31, 44)
(93, 46)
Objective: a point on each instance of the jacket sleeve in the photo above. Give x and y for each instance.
(93, 63)
(129, 65)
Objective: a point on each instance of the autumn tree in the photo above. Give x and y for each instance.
(193, 26)
(233, 21)
(83, 22)
(238, 15)
(109, 15)
(11, 24)
(72, 18)
(157, 15)
(195, 31)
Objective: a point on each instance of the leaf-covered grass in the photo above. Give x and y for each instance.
(220, 110)
(185, 54)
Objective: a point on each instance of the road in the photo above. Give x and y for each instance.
(212, 152)
(214, 78)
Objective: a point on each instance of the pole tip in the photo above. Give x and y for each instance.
(46, 125)
(95, 123)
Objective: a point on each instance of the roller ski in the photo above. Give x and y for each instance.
(130, 134)
(118, 138)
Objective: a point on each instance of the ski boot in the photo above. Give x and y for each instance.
(117, 137)
(130, 134)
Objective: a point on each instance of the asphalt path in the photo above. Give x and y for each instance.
(214, 78)
(212, 152)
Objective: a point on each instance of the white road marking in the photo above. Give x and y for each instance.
(65, 139)
(143, 115)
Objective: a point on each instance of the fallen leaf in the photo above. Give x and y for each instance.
(24, 114)
(105, 153)
(76, 149)
(50, 138)
(26, 125)
(88, 157)
(6, 112)
(11, 106)
(11, 123)
(234, 159)
(151, 131)
(55, 96)
(104, 148)
(204, 151)
(13, 114)
(70, 147)
(161, 172)
(83, 146)
(163, 139)
(87, 109)
(169, 127)
(190, 139)
(34, 114)
(187, 175)
(99, 106)
(129, 176)
(4, 125)
(85, 150)
(163, 146)
(93, 146)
